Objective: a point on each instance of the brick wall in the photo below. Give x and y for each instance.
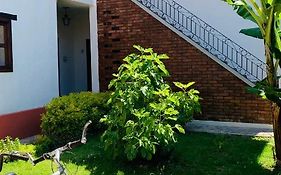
(122, 24)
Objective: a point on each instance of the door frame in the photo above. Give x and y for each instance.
(89, 64)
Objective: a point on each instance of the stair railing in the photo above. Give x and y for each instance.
(213, 41)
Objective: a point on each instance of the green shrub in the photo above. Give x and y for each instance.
(65, 116)
(145, 113)
(44, 144)
(8, 144)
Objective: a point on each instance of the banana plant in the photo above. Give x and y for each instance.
(266, 15)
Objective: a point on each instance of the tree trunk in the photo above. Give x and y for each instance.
(276, 116)
(275, 108)
(270, 69)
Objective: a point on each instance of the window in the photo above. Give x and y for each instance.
(6, 58)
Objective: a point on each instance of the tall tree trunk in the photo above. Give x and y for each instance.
(276, 116)
(275, 108)
(270, 69)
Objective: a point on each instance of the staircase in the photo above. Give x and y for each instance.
(223, 50)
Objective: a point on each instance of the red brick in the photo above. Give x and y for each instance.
(224, 95)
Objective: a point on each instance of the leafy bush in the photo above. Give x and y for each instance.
(44, 144)
(8, 145)
(145, 113)
(65, 116)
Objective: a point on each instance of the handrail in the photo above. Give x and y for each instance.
(213, 41)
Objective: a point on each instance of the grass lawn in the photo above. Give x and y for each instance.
(195, 154)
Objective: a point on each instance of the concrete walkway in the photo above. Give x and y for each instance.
(233, 128)
(29, 140)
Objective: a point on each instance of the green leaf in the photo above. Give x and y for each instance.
(172, 118)
(252, 32)
(254, 90)
(149, 50)
(139, 48)
(183, 86)
(277, 37)
(171, 111)
(103, 120)
(163, 93)
(144, 90)
(163, 57)
(245, 11)
(163, 69)
(120, 173)
(174, 99)
(180, 128)
(194, 91)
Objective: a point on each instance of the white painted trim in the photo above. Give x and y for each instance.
(57, 52)
(94, 47)
(86, 2)
(195, 44)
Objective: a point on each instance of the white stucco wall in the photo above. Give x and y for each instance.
(34, 80)
(222, 17)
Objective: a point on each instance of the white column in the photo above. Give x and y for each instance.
(94, 46)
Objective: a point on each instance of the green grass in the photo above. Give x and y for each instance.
(195, 154)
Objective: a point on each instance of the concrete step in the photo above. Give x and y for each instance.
(233, 128)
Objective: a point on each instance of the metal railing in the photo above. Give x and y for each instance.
(213, 41)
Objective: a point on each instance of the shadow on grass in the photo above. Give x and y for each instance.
(195, 154)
